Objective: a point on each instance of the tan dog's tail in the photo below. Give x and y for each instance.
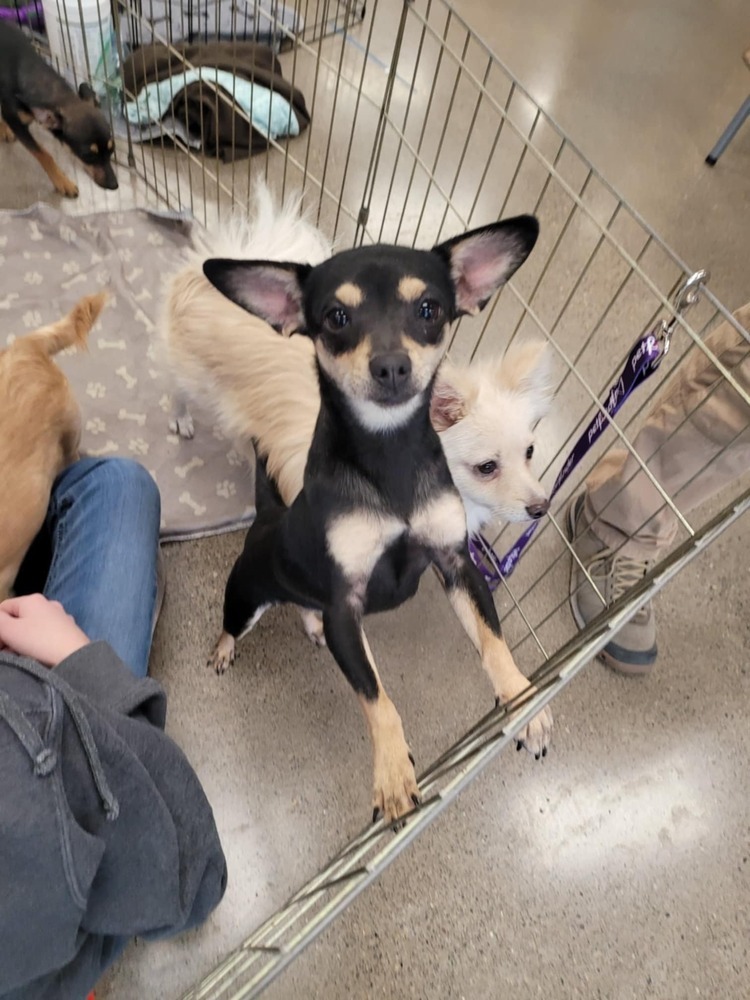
(73, 329)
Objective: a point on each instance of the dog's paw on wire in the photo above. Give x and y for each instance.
(536, 735)
(396, 792)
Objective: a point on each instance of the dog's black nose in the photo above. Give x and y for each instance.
(391, 370)
(538, 508)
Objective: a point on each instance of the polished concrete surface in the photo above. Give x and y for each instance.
(620, 869)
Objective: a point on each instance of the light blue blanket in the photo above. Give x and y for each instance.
(271, 114)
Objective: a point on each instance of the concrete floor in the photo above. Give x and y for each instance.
(622, 868)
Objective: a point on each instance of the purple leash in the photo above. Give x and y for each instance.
(642, 361)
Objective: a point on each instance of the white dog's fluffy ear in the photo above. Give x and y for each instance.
(452, 396)
(526, 369)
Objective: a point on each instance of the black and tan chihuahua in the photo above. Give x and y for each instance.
(30, 90)
(378, 504)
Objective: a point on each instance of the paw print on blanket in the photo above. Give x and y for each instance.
(138, 446)
(32, 319)
(96, 426)
(226, 488)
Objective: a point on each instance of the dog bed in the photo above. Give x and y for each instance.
(49, 261)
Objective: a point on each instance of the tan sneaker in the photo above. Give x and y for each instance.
(635, 651)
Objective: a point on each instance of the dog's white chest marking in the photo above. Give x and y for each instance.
(441, 523)
(357, 541)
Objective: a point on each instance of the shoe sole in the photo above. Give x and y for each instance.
(613, 662)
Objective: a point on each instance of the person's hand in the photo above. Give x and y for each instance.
(40, 629)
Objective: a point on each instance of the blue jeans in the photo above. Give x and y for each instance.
(97, 554)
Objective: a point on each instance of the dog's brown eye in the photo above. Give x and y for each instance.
(337, 319)
(529, 452)
(487, 468)
(428, 310)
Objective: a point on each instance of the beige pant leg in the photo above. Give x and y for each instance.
(695, 441)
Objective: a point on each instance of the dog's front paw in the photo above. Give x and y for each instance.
(536, 735)
(66, 187)
(223, 655)
(182, 425)
(396, 790)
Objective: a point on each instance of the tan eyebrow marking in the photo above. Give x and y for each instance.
(94, 148)
(350, 294)
(110, 144)
(410, 288)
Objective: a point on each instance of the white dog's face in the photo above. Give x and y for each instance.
(486, 416)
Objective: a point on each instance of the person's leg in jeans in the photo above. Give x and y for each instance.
(695, 441)
(99, 551)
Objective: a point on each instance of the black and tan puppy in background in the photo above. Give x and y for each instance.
(378, 505)
(31, 91)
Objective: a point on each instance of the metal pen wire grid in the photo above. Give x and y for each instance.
(418, 132)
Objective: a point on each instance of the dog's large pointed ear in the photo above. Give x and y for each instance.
(87, 94)
(526, 369)
(266, 289)
(483, 259)
(451, 397)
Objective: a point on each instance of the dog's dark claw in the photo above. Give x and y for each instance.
(411, 758)
(376, 814)
(416, 800)
(537, 756)
(497, 703)
(519, 745)
(544, 751)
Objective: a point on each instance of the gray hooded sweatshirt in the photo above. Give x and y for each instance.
(105, 832)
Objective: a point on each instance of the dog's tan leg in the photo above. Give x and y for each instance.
(497, 660)
(395, 788)
(475, 609)
(6, 133)
(63, 184)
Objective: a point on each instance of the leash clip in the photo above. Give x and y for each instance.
(686, 296)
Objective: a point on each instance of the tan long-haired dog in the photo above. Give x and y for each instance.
(40, 429)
